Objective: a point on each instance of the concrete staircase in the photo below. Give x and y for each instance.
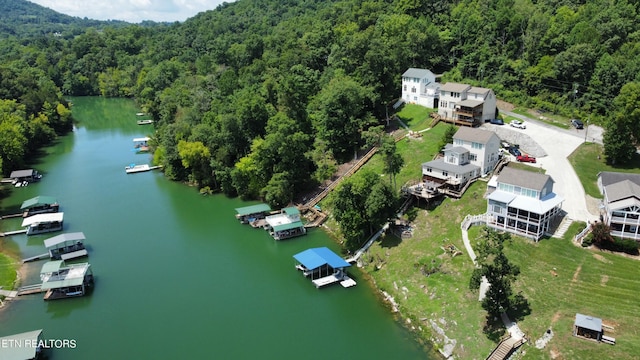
(562, 228)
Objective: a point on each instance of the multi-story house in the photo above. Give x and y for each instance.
(523, 203)
(621, 203)
(466, 104)
(419, 86)
(474, 153)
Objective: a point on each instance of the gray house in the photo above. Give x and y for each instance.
(621, 203)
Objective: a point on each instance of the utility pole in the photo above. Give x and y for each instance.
(586, 130)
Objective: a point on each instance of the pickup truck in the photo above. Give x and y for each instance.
(526, 158)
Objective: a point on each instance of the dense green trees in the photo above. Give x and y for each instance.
(315, 76)
(622, 133)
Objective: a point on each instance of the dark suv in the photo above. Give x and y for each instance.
(515, 151)
(577, 123)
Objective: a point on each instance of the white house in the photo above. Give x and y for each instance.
(466, 104)
(523, 203)
(621, 203)
(474, 153)
(419, 86)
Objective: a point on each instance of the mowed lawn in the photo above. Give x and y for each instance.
(561, 279)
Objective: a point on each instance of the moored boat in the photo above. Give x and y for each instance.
(43, 223)
(145, 122)
(133, 168)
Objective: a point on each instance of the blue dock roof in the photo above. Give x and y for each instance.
(316, 257)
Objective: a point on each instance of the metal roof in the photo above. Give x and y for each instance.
(60, 239)
(479, 90)
(141, 139)
(21, 173)
(40, 218)
(316, 257)
(418, 73)
(588, 322)
(475, 135)
(292, 210)
(538, 206)
(523, 178)
(253, 209)
(52, 266)
(439, 164)
(19, 352)
(289, 226)
(73, 276)
(501, 196)
(622, 190)
(38, 200)
(456, 149)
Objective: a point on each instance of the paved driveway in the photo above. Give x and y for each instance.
(558, 145)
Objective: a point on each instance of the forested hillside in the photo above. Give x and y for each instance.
(263, 98)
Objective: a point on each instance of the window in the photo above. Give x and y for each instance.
(429, 169)
(476, 145)
(443, 104)
(458, 141)
(413, 89)
(444, 173)
(415, 98)
(405, 88)
(473, 157)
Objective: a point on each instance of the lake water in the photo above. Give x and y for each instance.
(176, 275)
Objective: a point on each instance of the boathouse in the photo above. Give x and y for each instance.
(249, 213)
(60, 280)
(323, 267)
(66, 246)
(43, 223)
(28, 175)
(286, 224)
(23, 346)
(39, 205)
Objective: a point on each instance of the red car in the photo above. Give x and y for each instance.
(526, 158)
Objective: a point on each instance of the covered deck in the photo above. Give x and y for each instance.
(61, 281)
(286, 224)
(23, 346)
(39, 204)
(28, 175)
(42, 223)
(66, 246)
(323, 266)
(254, 212)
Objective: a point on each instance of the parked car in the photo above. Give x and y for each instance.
(518, 124)
(513, 150)
(497, 121)
(577, 123)
(505, 145)
(526, 158)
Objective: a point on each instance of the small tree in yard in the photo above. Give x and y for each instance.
(601, 235)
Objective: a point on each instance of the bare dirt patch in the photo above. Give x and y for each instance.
(575, 275)
(555, 354)
(603, 280)
(503, 105)
(601, 258)
(555, 318)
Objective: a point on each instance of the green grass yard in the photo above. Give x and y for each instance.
(588, 160)
(416, 117)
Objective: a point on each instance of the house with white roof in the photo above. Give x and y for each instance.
(621, 203)
(419, 86)
(465, 104)
(523, 203)
(474, 153)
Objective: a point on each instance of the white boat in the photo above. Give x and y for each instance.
(133, 168)
(140, 114)
(141, 144)
(145, 122)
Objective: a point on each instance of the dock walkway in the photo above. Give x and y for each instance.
(30, 289)
(9, 233)
(36, 258)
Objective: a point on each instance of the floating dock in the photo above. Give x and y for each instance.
(30, 289)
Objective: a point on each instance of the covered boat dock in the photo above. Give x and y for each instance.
(61, 281)
(66, 246)
(42, 223)
(323, 266)
(23, 346)
(249, 213)
(286, 224)
(39, 204)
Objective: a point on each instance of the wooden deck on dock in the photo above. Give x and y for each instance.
(30, 289)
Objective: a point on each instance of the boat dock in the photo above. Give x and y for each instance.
(344, 280)
(13, 215)
(9, 233)
(36, 258)
(30, 289)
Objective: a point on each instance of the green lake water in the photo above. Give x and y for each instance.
(176, 275)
